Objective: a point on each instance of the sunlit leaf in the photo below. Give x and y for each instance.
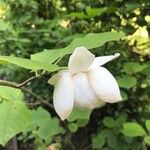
(15, 117)
(9, 93)
(90, 41)
(133, 129)
(47, 126)
(147, 140)
(28, 64)
(147, 124)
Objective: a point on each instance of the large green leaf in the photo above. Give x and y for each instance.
(14, 118)
(9, 93)
(14, 115)
(28, 63)
(131, 129)
(47, 126)
(91, 40)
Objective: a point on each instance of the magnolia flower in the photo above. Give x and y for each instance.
(85, 84)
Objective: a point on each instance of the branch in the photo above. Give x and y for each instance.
(30, 79)
(26, 81)
(26, 90)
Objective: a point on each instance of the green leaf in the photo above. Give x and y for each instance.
(4, 25)
(79, 114)
(90, 41)
(79, 15)
(124, 95)
(126, 81)
(109, 122)
(121, 119)
(99, 140)
(15, 117)
(9, 93)
(134, 67)
(82, 122)
(28, 64)
(131, 129)
(47, 126)
(147, 124)
(40, 115)
(73, 127)
(147, 140)
(93, 12)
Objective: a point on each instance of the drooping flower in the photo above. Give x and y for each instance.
(85, 84)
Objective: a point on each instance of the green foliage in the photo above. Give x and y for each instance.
(46, 126)
(109, 122)
(9, 93)
(99, 140)
(79, 114)
(147, 124)
(14, 115)
(28, 64)
(78, 118)
(73, 127)
(91, 40)
(147, 140)
(46, 31)
(127, 81)
(133, 67)
(133, 130)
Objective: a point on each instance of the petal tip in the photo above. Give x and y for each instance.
(117, 55)
(64, 116)
(50, 81)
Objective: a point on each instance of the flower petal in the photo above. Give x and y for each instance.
(104, 85)
(80, 60)
(85, 97)
(99, 61)
(54, 79)
(63, 97)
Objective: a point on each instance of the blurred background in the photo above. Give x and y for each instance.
(30, 26)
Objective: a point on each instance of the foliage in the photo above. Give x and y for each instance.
(37, 36)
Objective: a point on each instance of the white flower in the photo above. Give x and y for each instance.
(85, 84)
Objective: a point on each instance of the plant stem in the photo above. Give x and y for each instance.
(26, 90)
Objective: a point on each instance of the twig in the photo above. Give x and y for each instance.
(26, 90)
(14, 142)
(26, 81)
(30, 79)
(34, 104)
(70, 142)
(68, 135)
